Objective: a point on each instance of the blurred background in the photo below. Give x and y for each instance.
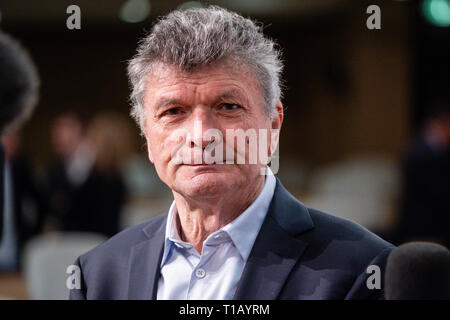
(365, 135)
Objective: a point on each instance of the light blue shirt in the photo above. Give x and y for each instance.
(213, 275)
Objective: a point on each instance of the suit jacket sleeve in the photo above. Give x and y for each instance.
(78, 294)
(360, 290)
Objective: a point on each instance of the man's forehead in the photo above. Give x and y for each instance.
(162, 72)
(221, 81)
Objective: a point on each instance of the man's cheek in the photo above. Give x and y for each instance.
(172, 145)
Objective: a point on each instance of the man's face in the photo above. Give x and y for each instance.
(182, 108)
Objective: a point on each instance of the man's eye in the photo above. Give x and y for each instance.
(230, 106)
(172, 111)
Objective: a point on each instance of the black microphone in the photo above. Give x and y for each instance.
(1, 189)
(19, 85)
(418, 271)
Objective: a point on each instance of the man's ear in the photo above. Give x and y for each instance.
(277, 121)
(150, 156)
(149, 151)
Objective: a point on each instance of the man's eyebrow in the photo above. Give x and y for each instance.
(165, 102)
(233, 94)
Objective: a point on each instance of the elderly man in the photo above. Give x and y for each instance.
(233, 231)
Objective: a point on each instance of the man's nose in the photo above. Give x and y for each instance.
(202, 121)
(204, 143)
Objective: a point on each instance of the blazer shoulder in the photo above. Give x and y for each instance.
(347, 237)
(121, 243)
(321, 229)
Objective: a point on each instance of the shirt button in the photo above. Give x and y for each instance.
(200, 273)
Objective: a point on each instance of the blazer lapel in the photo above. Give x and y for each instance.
(144, 268)
(276, 250)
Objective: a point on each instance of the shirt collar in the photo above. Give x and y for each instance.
(243, 230)
(172, 236)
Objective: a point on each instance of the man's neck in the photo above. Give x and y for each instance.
(198, 218)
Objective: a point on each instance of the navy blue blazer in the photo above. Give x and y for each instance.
(299, 253)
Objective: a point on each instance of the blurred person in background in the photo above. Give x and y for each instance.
(69, 169)
(109, 136)
(425, 206)
(19, 86)
(87, 191)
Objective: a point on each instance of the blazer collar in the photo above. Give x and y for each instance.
(144, 268)
(276, 249)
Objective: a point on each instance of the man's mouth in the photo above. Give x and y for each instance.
(201, 164)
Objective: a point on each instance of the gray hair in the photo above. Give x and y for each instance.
(199, 37)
